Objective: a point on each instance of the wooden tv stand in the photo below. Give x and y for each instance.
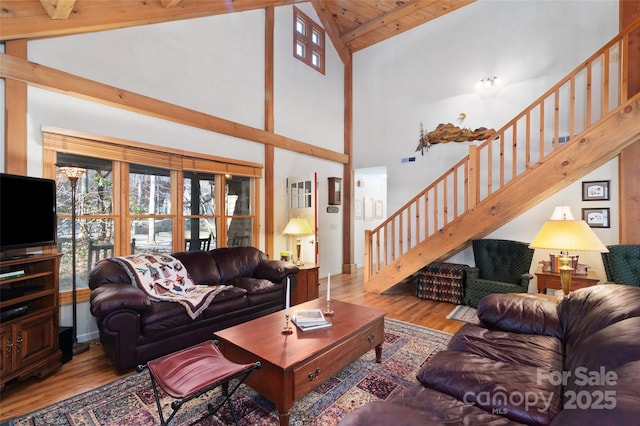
(29, 333)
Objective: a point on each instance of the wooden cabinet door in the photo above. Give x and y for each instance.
(35, 338)
(7, 356)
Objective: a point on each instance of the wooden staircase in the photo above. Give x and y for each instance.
(577, 126)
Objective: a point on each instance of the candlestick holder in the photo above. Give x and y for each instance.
(287, 328)
(328, 312)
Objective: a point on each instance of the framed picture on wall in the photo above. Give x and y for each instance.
(368, 208)
(595, 190)
(596, 218)
(379, 209)
(358, 210)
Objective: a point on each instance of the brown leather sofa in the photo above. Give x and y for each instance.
(530, 362)
(133, 329)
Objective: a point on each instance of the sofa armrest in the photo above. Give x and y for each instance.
(109, 298)
(520, 314)
(524, 279)
(275, 270)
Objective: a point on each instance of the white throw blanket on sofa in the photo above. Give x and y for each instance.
(164, 278)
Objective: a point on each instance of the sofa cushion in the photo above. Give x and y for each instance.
(586, 311)
(514, 348)
(444, 409)
(255, 285)
(521, 314)
(268, 299)
(229, 306)
(237, 261)
(201, 266)
(622, 341)
(164, 316)
(521, 393)
(613, 404)
(380, 413)
(259, 291)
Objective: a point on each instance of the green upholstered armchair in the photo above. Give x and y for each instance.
(502, 266)
(622, 264)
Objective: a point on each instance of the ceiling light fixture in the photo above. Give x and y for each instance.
(488, 82)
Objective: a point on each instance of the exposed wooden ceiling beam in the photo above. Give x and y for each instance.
(44, 77)
(27, 18)
(58, 9)
(332, 29)
(384, 19)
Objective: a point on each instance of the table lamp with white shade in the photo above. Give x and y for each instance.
(562, 232)
(298, 226)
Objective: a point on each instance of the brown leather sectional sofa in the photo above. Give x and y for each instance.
(134, 330)
(530, 362)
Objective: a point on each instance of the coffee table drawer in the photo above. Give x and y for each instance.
(312, 373)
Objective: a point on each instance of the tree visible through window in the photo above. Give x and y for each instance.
(94, 216)
(150, 209)
(308, 40)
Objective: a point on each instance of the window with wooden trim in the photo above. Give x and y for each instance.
(136, 199)
(308, 41)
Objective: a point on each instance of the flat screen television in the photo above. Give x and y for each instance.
(27, 212)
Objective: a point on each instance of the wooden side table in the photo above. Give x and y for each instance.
(307, 283)
(552, 280)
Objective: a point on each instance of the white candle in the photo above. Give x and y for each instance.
(286, 303)
(328, 286)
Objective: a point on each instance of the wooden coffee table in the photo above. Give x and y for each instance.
(294, 364)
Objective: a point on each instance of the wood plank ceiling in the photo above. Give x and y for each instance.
(352, 25)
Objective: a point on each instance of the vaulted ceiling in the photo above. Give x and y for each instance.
(352, 25)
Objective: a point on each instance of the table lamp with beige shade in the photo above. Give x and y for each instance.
(563, 232)
(298, 227)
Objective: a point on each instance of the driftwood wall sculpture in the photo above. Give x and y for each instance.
(450, 133)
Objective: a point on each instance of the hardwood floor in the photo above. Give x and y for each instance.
(92, 369)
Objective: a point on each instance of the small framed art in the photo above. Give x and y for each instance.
(595, 190)
(379, 209)
(596, 218)
(358, 209)
(368, 208)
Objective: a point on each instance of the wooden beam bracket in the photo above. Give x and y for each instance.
(58, 9)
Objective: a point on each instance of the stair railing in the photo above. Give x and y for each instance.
(577, 102)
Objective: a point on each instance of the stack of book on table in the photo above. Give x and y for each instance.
(309, 319)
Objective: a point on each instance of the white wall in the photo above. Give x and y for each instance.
(368, 182)
(428, 75)
(214, 65)
(314, 116)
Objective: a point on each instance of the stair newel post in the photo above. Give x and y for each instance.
(367, 254)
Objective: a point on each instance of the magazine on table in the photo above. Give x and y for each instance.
(305, 327)
(310, 319)
(309, 316)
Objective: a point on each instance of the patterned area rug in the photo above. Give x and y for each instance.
(129, 400)
(464, 313)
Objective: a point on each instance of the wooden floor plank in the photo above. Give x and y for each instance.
(92, 369)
